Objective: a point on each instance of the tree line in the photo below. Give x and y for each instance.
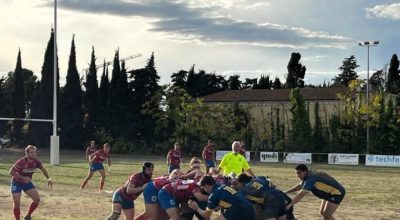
(130, 109)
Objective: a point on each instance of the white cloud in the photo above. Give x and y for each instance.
(391, 11)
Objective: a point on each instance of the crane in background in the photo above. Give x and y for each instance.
(111, 62)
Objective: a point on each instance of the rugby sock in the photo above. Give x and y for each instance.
(101, 185)
(32, 208)
(17, 213)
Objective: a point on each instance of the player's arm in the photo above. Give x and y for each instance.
(203, 154)
(14, 172)
(205, 213)
(168, 157)
(200, 196)
(46, 174)
(132, 189)
(294, 188)
(297, 198)
(250, 171)
(109, 161)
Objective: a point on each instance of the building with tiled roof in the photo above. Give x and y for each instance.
(264, 105)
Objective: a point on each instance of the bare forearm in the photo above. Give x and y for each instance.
(294, 189)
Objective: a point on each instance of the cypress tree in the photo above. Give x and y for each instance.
(91, 98)
(234, 82)
(103, 97)
(18, 101)
(296, 72)
(46, 94)
(277, 83)
(301, 129)
(71, 116)
(118, 99)
(318, 137)
(34, 127)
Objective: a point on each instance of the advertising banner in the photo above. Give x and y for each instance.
(346, 159)
(219, 154)
(382, 160)
(270, 157)
(297, 158)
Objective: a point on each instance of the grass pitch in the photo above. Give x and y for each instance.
(371, 192)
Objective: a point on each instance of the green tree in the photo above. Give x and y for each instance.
(277, 83)
(118, 100)
(301, 128)
(103, 96)
(234, 82)
(34, 131)
(348, 72)
(45, 111)
(296, 72)
(18, 102)
(71, 115)
(91, 98)
(318, 138)
(179, 79)
(264, 82)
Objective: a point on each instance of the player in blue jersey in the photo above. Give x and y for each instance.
(322, 186)
(233, 205)
(269, 203)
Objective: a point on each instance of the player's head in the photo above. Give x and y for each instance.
(30, 151)
(195, 162)
(207, 183)
(147, 169)
(243, 179)
(301, 171)
(107, 147)
(92, 143)
(236, 147)
(177, 146)
(210, 143)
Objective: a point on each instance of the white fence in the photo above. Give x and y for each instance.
(330, 158)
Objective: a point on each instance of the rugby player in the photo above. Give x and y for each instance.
(323, 186)
(21, 173)
(96, 164)
(124, 197)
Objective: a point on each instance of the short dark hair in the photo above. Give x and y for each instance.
(207, 180)
(302, 167)
(244, 178)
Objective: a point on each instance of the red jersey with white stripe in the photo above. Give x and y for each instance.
(135, 180)
(208, 152)
(100, 156)
(182, 190)
(174, 156)
(26, 167)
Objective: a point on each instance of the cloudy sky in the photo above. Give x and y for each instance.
(246, 37)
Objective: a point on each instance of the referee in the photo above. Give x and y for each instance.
(234, 162)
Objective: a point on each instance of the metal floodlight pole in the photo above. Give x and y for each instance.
(54, 139)
(368, 44)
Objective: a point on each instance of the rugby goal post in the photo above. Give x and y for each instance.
(54, 139)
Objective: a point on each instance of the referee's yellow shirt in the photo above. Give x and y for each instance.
(233, 163)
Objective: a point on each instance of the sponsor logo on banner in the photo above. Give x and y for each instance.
(347, 159)
(382, 160)
(221, 153)
(271, 157)
(297, 158)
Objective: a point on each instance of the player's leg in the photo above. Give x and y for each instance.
(102, 179)
(330, 208)
(116, 212)
(16, 197)
(322, 207)
(129, 213)
(87, 178)
(34, 195)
